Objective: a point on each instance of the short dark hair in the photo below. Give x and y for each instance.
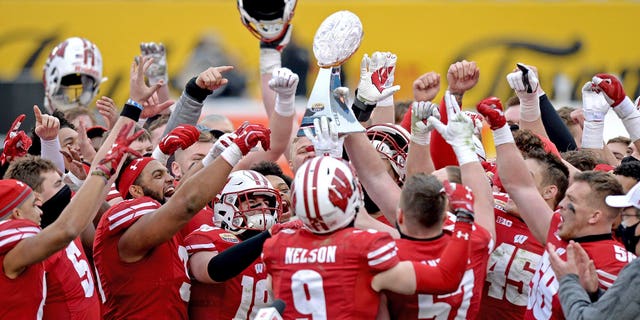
(628, 169)
(270, 168)
(527, 141)
(423, 199)
(583, 160)
(620, 139)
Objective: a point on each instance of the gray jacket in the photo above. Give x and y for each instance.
(621, 301)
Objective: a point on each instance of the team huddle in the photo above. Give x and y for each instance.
(161, 213)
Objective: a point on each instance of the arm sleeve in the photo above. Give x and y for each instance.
(556, 129)
(231, 262)
(188, 107)
(50, 150)
(621, 301)
(446, 276)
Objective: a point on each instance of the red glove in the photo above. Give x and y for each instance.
(610, 86)
(16, 143)
(460, 196)
(119, 149)
(294, 225)
(491, 109)
(248, 136)
(181, 137)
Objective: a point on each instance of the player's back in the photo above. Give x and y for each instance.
(511, 266)
(461, 304)
(328, 276)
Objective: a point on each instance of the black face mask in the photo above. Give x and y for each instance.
(628, 236)
(52, 208)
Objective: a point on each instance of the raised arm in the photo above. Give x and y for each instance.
(458, 133)
(385, 108)
(517, 181)
(160, 226)
(284, 83)
(524, 81)
(76, 216)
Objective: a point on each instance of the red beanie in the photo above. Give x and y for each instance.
(12, 194)
(130, 173)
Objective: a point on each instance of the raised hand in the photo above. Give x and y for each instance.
(138, 89)
(47, 126)
(491, 109)
(458, 132)
(213, 78)
(374, 75)
(325, 141)
(460, 200)
(523, 80)
(284, 82)
(73, 162)
(247, 136)
(611, 87)
(153, 106)
(107, 109)
(181, 137)
(594, 105)
(426, 87)
(462, 76)
(119, 150)
(16, 143)
(420, 128)
(157, 71)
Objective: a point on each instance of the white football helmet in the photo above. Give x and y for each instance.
(326, 194)
(268, 20)
(238, 207)
(72, 74)
(391, 141)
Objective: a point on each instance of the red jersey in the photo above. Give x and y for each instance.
(236, 298)
(328, 276)
(156, 287)
(205, 216)
(71, 292)
(22, 297)
(511, 266)
(608, 256)
(464, 303)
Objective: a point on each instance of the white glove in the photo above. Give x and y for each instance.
(529, 103)
(326, 141)
(458, 132)
(594, 105)
(158, 70)
(420, 128)
(284, 82)
(373, 77)
(220, 145)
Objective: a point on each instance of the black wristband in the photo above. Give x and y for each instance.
(132, 112)
(361, 110)
(464, 215)
(196, 92)
(233, 261)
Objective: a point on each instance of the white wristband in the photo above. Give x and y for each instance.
(465, 155)
(625, 108)
(160, 156)
(592, 135)
(285, 106)
(502, 135)
(50, 149)
(73, 179)
(269, 60)
(632, 124)
(232, 154)
(420, 137)
(529, 108)
(386, 102)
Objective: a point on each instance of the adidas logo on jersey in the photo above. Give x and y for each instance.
(520, 238)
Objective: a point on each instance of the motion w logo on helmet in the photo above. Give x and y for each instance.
(341, 190)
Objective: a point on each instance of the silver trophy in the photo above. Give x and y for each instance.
(336, 40)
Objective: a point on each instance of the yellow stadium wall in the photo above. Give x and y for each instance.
(575, 38)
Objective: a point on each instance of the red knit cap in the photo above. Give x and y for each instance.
(12, 194)
(130, 174)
